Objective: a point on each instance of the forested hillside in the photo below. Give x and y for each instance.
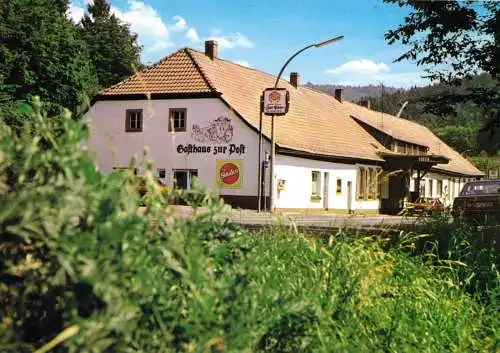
(355, 93)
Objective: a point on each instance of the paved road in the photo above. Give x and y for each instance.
(253, 218)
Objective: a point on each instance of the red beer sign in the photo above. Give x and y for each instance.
(229, 173)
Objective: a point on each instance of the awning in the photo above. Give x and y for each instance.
(422, 162)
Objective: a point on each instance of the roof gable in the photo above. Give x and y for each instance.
(177, 73)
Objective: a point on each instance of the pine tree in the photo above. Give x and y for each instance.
(42, 54)
(113, 48)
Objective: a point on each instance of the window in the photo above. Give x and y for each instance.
(431, 191)
(400, 146)
(372, 183)
(177, 119)
(439, 188)
(367, 184)
(184, 179)
(133, 120)
(395, 145)
(339, 186)
(360, 190)
(315, 184)
(383, 185)
(162, 173)
(481, 188)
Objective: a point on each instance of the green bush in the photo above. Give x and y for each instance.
(85, 270)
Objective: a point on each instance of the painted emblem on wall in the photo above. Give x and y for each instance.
(229, 174)
(219, 130)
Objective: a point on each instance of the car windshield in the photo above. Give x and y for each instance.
(481, 188)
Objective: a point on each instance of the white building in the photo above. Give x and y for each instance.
(199, 115)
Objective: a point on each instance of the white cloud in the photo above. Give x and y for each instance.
(154, 34)
(179, 24)
(75, 12)
(143, 20)
(365, 71)
(242, 63)
(362, 65)
(160, 45)
(192, 35)
(236, 40)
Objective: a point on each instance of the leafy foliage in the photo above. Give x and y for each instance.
(41, 54)
(461, 34)
(113, 48)
(457, 39)
(83, 269)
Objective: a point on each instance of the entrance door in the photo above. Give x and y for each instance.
(325, 190)
(349, 196)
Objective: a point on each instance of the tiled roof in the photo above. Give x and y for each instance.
(410, 131)
(316, 122)
(177, 73)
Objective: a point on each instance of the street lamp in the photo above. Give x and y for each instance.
(273, 138)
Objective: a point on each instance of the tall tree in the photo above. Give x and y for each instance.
(113, 48)
(457, 39)
(41, 54)
(464, 35)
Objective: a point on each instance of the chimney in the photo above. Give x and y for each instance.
(338, 94)
(294, 79)
(212, 49)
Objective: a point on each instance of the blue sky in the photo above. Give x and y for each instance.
(263, 34)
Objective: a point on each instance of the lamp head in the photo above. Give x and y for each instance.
(329, 41)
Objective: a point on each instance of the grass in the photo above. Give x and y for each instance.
(83, 270)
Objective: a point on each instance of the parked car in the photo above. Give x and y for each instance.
(479, 201)
(425, 205)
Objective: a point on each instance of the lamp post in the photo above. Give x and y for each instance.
(273, 138)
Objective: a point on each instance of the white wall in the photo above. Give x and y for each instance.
(451, 186)
(297, 172)
(115, 147)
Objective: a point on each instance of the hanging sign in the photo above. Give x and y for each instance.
(229, 174)
(276, 101)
